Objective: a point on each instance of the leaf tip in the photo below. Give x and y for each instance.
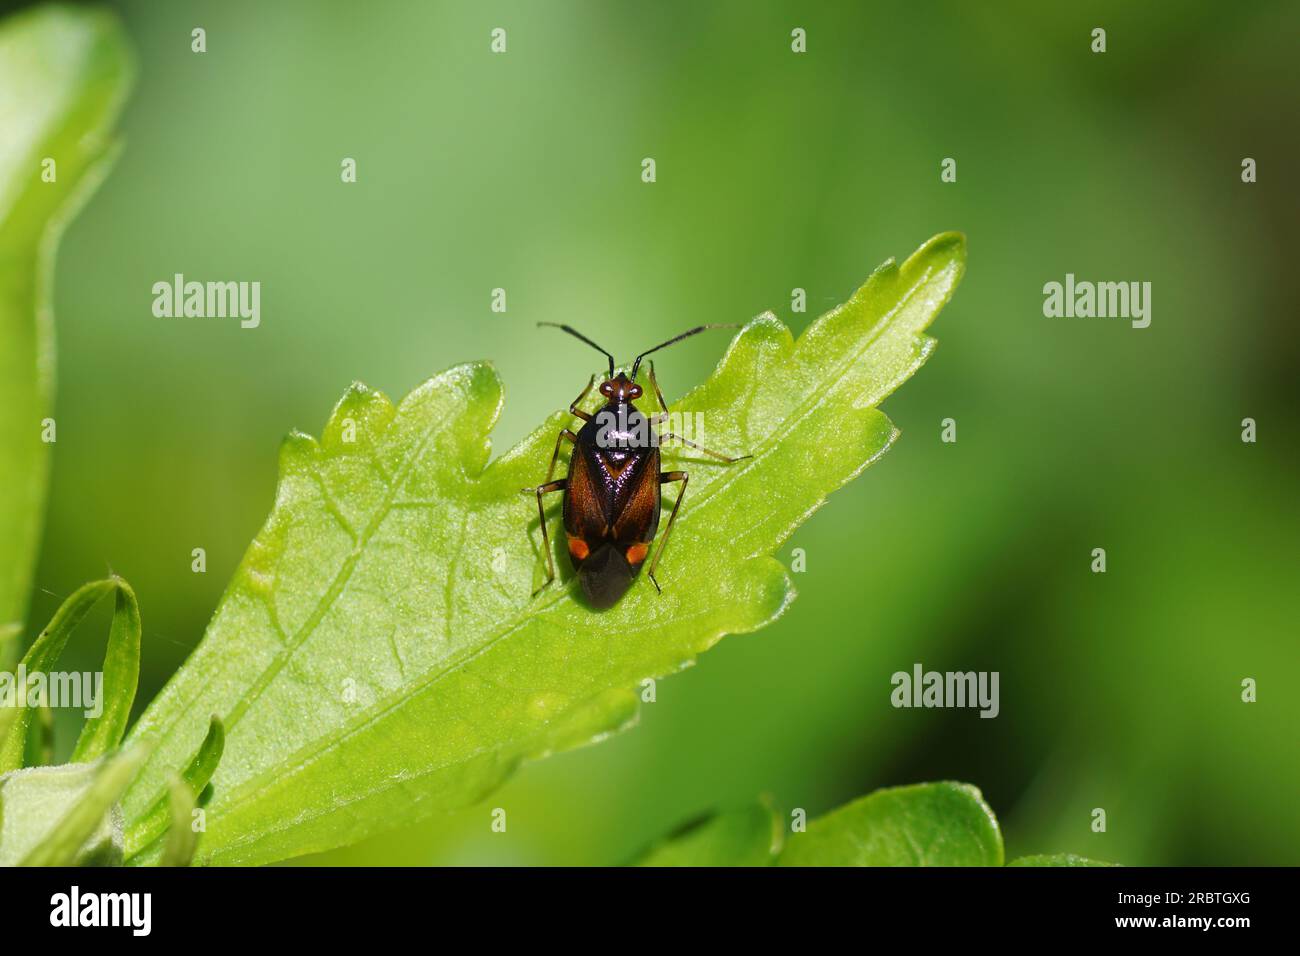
(951, 243)
(359, 416)
(483, 381)
(297, 449)
(946, 250)
(766, 330)
(121, 584)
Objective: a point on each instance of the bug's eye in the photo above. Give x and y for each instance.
(636, 391)
(606, 388)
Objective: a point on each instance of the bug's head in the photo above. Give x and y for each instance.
(620, 389)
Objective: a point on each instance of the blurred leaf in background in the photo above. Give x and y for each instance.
(926, 824)
(64, 73)
(751, 835)
(933, 824)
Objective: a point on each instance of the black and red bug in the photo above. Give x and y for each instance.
(612, 494)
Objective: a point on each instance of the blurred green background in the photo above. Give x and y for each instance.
(775, 171)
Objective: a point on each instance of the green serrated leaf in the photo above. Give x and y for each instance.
(380, 654)
(64, 73)
(1057, 859)
(928, 824)
(121, 671)
(746, 836)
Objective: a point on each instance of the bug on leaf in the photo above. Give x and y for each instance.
(612, 494)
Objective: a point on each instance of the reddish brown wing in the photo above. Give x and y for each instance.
(584, 515)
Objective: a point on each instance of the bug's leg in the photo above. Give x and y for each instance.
(662, 415)
(690, 444)
(555, 455)
(666, 477)
(573, 405)
(546, 538)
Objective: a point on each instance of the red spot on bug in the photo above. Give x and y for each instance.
(578, 549)
(637, 552)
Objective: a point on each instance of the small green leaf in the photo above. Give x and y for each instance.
(64, 73)
(151, 824)
(43, 656)
(380, 654)
(120, 670)
(929, 824)
(747, 836)
(181, 838)
(1057, 859)
(61, 816)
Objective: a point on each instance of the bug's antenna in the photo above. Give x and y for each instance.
(685, 335)
(578, 335)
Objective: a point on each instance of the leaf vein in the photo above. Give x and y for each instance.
(331, 595)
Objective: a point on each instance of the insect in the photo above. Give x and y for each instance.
(612, 494)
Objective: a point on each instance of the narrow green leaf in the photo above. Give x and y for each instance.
(44, 655)
(380, 654)
(10, 634)
(64, 73)
(41, 746)
(121, 672)
(153, 822)
(181, 838)
(747, 836)
(1057, 859)
(929, 824)
(8, 717)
